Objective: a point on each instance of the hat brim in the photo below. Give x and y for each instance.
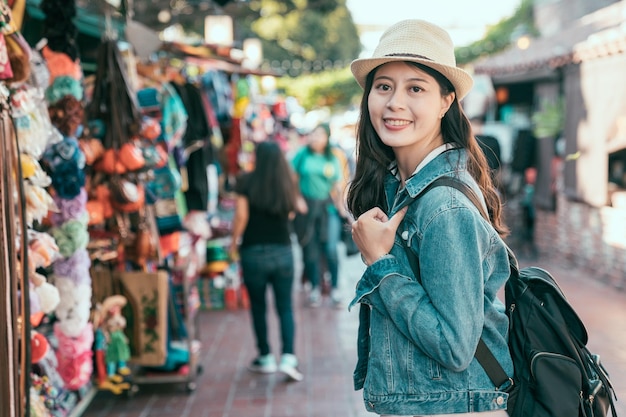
(111, 301)
(460, 79)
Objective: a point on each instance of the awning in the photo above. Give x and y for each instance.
(87, 21)
(547, 53)
(211, 56)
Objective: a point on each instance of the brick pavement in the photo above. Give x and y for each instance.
(326, 348)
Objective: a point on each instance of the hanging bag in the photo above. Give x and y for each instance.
(6, 72)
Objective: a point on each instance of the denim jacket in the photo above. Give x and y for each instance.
(416, 341)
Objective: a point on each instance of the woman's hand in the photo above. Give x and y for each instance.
(374, 233)
(233, 251)
(301, 206)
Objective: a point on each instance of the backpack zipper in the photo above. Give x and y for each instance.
(539, 355)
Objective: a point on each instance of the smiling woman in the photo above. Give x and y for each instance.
(406, 108)
(427, 315)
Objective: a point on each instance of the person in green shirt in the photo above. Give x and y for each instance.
(321, 180)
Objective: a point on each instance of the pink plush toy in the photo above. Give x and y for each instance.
(74, 356)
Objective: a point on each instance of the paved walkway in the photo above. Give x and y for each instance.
(326, 348)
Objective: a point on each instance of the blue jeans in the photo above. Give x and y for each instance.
(263, 266)
(325, 246)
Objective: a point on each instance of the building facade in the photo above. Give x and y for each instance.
(576, 66)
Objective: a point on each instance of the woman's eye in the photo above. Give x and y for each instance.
(383, 87)
(416, 89)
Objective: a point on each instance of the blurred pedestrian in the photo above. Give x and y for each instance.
(434, 268)
(321, 183)
(265, 202)
(527, 203)
(491, 148)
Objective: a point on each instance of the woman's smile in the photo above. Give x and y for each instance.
(396, 123)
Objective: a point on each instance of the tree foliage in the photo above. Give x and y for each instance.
(303, 31)
(290, 30)
(499, 36)
(335, 89)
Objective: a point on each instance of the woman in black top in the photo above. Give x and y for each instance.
(261, 239)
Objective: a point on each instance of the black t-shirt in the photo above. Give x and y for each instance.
(262, 227)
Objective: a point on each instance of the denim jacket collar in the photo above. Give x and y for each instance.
(449, 163)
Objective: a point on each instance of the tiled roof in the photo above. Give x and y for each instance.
(597, 34)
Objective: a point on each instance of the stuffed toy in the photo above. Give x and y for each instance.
(69, 208)
(74, 356)
(44, 360)
(32, 171)
(111, 345)
(73, 313)
(75, 267)
(66, 151)
(31, 117)
(117, 351)
(42, 250)
(38, 203)
(38, 346)
(71, 236)
(47, 294)
(63, 86)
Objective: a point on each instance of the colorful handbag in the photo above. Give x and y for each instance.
(147, 294)
(6, 72)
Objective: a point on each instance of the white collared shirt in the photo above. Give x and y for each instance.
(431, 155)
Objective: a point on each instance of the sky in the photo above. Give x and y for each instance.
(465, 20)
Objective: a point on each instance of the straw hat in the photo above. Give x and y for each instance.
(113, 301)
(416, 41)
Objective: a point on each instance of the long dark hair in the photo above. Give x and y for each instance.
(373, 156)
(271, 184)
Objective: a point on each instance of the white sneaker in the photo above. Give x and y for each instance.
(265, 364)
(315, 297)
(289, 366)
(335, 297)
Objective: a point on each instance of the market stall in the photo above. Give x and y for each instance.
(116, 224)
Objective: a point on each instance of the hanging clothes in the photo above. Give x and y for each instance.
(218, 88)
(197, 146)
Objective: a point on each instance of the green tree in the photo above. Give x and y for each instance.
(303, 32)
(499, 36)
(302, 36)
(335, 89)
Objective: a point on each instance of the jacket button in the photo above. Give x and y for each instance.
(500, 400)
(405, 235)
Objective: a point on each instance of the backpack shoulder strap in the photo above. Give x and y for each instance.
(483, 354)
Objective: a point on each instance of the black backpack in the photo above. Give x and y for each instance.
(555, 374)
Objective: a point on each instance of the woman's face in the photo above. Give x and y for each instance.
(318, 139)
(406, 107)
